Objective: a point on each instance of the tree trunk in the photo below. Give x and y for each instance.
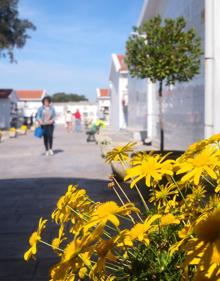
(161, 117)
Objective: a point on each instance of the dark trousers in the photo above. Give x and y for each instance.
(48, 136)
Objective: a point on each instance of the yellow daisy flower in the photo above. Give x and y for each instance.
(108, 211)
(162, 195)
(58, 240)
(120, 153)
(140, 231)
(152, 168)
(214, 138)
(194, 148)
(169, 219)
(198, 193)
(33, 240)
(203, 163)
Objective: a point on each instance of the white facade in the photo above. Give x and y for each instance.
(183, 105)
(87, 110)
(119, 95)
(103, 99)
(104, 104)
(29, 102)
(8, 110)
(212, 67)
(142, 110)
(28, 108)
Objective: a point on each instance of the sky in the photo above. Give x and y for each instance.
(71, 49)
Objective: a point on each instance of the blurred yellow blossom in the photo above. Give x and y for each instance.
(120, 153)
(33, 240)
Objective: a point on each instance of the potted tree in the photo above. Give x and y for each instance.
(166, 53)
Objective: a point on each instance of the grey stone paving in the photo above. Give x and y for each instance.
(31, 183)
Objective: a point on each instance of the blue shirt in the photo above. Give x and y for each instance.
(40, 113)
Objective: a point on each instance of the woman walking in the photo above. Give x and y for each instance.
(46, 118)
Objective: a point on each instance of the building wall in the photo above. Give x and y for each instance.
(102, 102)
(183, 105)
(137, 103)
(87, 111)
(28, 108)
(115, 98)
(4, 113)
(123, 91)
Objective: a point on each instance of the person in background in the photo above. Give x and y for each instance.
(69, 121)
(77, 116)
(46, 119)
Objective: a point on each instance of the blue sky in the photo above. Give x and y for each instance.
(71, 49)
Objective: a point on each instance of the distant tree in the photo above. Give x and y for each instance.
(12, 28)
(164, 52)
(64, 97)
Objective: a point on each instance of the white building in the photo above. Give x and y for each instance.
(190, 110)
(141, 108)
(119, 92)
(8, 107)
(88, 110)
(104, 103)
(29, 101)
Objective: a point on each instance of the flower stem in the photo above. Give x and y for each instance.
(139, 193)
(142, 198)
(51, 246)
(123, 203)
(119, 186)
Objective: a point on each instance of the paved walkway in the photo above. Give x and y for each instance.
(31, 183)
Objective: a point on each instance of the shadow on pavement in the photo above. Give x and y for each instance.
(56, 151)
(23, 202)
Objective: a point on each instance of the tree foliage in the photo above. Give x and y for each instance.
(13, 30)
(164, 51)
(64, 97)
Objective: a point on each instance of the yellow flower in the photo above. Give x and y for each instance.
(171, 205)
(198, 193)
(76, 200)
(120, 153)
(23, 128)
(214, 138)
(202, 164)
(62, 271)
(213, 203)
(204, 249)
(140, 231)
(152, 167)
(83, 272)
(184, 235)
(35, 237)
(169, 219)
(194, 148)
(139, 157)
(162, 195)
(58, 240)
(108, 211)
(104, 250)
